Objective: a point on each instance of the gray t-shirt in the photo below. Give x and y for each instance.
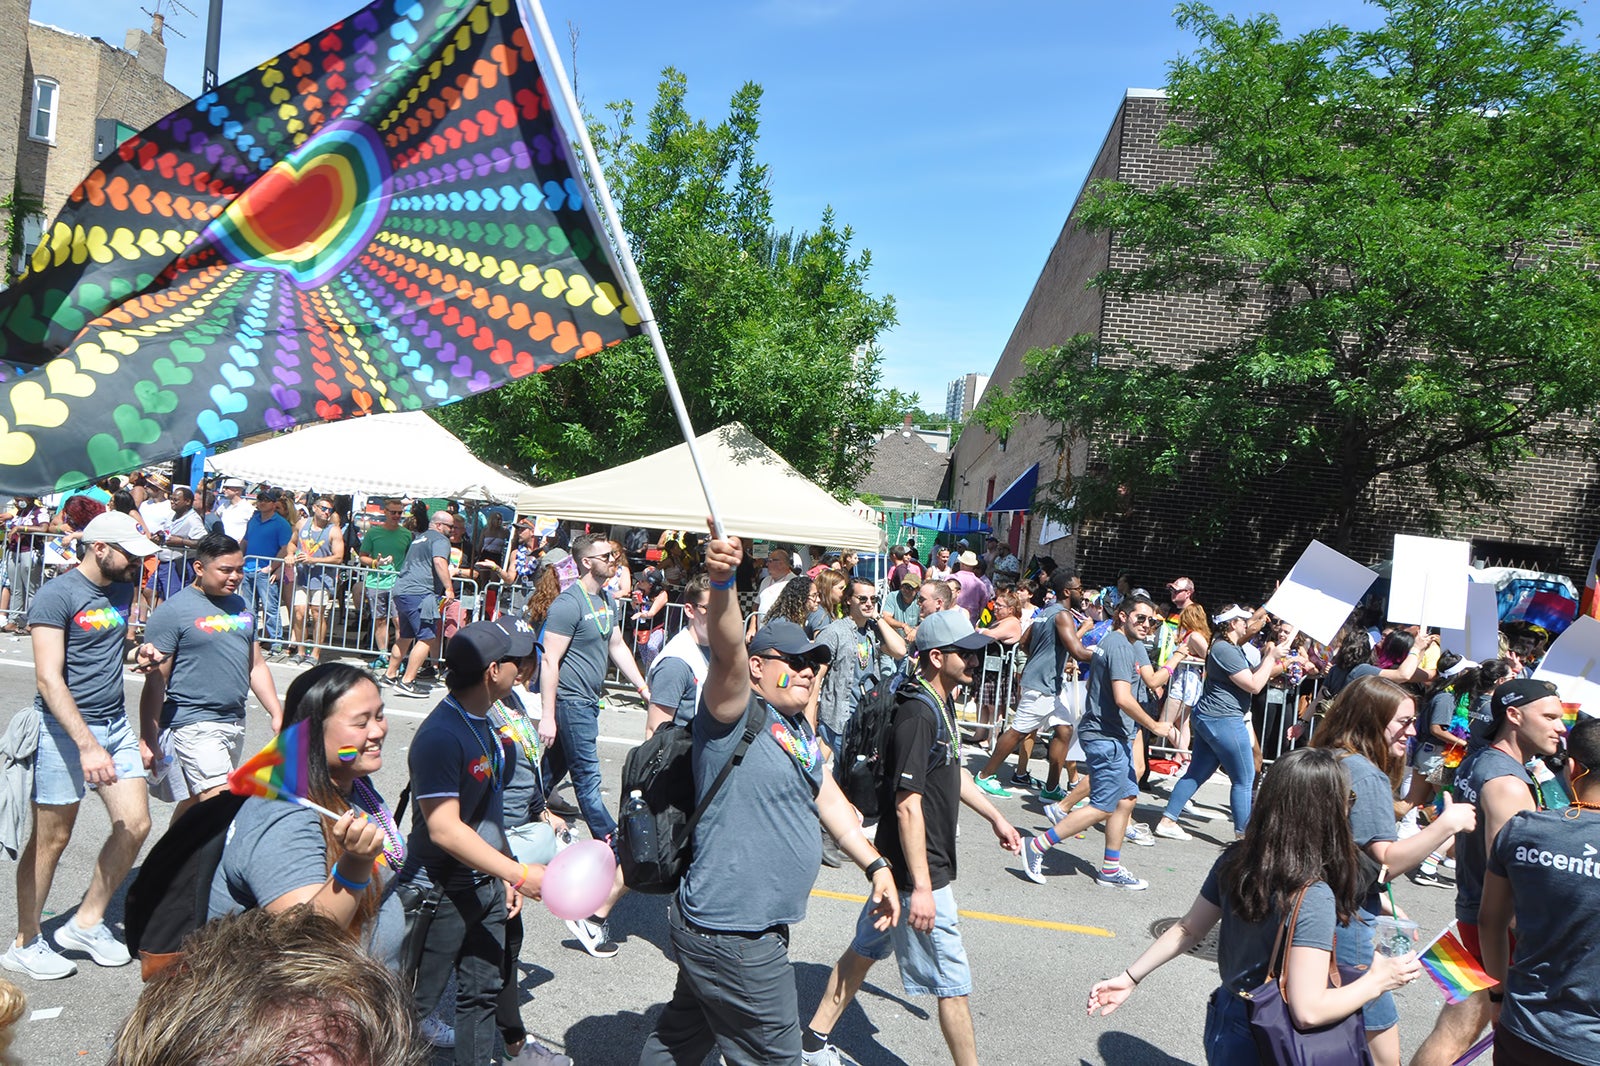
(94, 622)
(1116, 658)
(1244, 949)
(672, 684)
(1441, 712)
(587, 619)
(1047, 656)
(763, 823)
(1553, 985)
(1220, 697)
(417, 576)
(1372, 814)
(854, 663)
(1475, 771)
(275, 847)
(210, 640)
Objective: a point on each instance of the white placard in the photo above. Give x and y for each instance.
(1480, 639)
(1573, 665)
(1428, 582)
(1321, 591)
(1051, 531)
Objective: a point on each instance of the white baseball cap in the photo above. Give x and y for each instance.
(114, 527)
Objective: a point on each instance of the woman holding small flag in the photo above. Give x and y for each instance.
(315, 830)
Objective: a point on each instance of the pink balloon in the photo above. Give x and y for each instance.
(579, 879)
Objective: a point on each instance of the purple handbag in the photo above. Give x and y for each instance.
(1278, 1039)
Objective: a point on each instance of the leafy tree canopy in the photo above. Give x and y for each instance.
(774, 330)
(1402, 222)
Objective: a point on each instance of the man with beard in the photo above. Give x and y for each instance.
(79, 624)
(203, 644)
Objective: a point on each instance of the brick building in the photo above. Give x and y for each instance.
(73, 99)
(1553, 523)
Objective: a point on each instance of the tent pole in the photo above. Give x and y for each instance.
(533, 15)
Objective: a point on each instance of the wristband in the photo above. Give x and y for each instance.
(880, 863)
(1132, 978)
(1497, 997)
(724, 586)
(524, 879)
(353, 886)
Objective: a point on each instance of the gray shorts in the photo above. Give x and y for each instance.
(199, 756)
(931, 964)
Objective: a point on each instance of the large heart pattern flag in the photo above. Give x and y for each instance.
(386, 217)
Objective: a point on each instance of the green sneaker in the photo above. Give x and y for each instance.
(1053, 795)
(991, 786)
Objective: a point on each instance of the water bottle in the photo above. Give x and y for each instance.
(641, 828)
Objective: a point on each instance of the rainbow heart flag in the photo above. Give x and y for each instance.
(386, 217)
(277, 771)
(1453, 968)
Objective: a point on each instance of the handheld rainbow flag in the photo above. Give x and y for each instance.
(1453, 968)
(278, 771)
(386, 217)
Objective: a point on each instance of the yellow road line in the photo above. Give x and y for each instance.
(985, 916)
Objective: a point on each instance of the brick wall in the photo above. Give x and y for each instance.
(1555, 517)
(97, 81)
(14, 83)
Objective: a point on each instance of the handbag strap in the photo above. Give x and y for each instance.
(752, 719)
(1280, 950)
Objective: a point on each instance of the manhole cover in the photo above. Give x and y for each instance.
(1206, 949)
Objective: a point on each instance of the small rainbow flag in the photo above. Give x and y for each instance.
(278, 771)
(1569, 714)
(1453, 968)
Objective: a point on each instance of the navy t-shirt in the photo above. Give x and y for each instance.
(456, 756)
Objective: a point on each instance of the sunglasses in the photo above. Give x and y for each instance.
(966, 653)
(796, 663)
(1141, 619)
(1403, 724)
(866, 599)
(603, 555)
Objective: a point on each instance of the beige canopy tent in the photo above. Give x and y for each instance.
(405, 453)
(758, 493)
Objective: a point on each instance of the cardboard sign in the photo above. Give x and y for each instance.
(1573, 665)
(1480, 639)
(1321, 591)
(1428, 584)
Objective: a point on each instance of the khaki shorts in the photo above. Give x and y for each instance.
(312, 597)
(198, 756)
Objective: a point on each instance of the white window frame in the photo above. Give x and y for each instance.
(53, 111)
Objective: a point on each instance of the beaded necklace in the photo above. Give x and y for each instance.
(946, 715)
(804, 750)
(394, 845)
(594, 612)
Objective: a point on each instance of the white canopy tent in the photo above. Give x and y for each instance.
(406, 453)
(759, 494)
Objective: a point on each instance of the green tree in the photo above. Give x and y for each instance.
(1402, 222)
(772, 329)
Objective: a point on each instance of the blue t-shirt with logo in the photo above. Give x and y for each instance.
(94, 621)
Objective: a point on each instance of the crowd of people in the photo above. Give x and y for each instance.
(1397, 759)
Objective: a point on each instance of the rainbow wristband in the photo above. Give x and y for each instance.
(724, 586)
(353, 886)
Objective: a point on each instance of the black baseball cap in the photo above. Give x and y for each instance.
(480, 645)
(1516, 693)
(783, 636)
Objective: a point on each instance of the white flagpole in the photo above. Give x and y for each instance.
(533, 14)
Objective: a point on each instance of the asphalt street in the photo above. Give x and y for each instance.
(1034, 950)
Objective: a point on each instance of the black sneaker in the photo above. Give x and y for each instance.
(412, 689)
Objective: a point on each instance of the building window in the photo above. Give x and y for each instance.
(32, 234)
(42, 120)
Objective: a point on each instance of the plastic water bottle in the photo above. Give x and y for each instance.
(641, 826)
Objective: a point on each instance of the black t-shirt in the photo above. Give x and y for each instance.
(922, 759)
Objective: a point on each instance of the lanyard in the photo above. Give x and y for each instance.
(946, 715)
(495, 753)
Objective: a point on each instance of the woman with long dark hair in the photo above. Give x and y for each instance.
(1221, 738)
(1298, 840)
(1367, 726)
(280, 854)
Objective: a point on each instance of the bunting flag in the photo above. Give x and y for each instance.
(1453, 968)
(277, 771)
(385, 217)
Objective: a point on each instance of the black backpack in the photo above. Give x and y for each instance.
(661, 770)
(862, 761)
(171, 897)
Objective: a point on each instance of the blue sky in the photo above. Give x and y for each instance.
(953, 138)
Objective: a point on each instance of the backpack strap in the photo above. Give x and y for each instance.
(752, 726)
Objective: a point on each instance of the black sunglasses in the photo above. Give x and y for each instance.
(794, 662)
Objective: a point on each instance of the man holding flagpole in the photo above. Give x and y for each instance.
(1527, 725)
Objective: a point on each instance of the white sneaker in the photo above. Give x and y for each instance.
(1199, 813)
(828, 1056)
(1172, 831)
(104, 948)
(595, 938)
(534, 1053)
(38, 960)
(1033, 862)
(437, 1033)
(1138, 834)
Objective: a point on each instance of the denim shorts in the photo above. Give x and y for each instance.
(57, 773)
(419, 619)
(931, 964)
(1110, 765)
(1354, 948)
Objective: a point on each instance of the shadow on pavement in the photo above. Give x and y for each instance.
(1123, 1049)
(855, 1034)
